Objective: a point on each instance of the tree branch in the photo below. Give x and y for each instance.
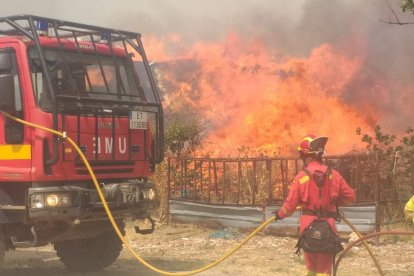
(393, 12)
(398, 22)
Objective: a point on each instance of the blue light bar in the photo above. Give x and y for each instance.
(105, 37)
(42, 28)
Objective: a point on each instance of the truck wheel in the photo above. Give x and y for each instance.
(88, 255)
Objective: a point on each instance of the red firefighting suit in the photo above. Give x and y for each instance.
(305, 193)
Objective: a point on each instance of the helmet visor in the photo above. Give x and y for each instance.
(318, 144)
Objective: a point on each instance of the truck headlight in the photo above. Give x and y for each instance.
(52, 200)
(65, 200)
(149, 194)
(39, 201)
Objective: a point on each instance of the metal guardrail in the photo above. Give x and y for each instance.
(363, 217)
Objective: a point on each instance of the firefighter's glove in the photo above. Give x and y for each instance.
(277, 217)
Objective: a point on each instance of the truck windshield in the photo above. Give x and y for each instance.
(86, 75)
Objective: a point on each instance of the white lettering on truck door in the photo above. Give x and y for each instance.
(108, 145)
(122, 150)
(94, 145)
(122, 145)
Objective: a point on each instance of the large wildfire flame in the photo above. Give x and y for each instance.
(250, 96)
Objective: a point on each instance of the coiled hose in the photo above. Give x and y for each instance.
(362, 239)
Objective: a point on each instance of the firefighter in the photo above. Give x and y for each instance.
(409, 209)
(318, 190)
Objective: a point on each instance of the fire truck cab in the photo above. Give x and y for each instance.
(95, 85)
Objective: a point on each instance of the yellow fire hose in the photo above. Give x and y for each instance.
(125, 241)
(369, 236)
(112, 220)
(367, 247)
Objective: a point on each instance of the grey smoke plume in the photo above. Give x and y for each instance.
(294, 28)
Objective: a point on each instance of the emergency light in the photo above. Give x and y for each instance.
(42, 28)
(105, 37)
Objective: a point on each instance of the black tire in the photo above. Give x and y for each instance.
(90, 255)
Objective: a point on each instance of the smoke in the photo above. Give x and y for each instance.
(291, 27)
(383, 85)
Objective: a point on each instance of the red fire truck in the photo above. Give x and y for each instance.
(95, 85)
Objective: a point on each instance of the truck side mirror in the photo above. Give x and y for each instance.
(7, 102)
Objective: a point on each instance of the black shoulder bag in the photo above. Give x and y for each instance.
(319, 237)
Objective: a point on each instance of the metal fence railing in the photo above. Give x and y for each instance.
(259, 181)
(266, 181)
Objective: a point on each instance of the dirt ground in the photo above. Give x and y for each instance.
(178, 247)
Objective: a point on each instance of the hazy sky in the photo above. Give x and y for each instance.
(158, 16)
(292, 26)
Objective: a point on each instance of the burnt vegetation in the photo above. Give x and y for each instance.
(395, 166)
(383, 171)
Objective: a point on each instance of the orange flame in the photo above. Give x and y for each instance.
(250, 96)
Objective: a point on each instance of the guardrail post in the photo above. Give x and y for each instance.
(224, 182)
(377, 197)
(254, 183)
(168, 188)
(284, 184)
(215, 177)
(185, 178)
(269, 176)
(195, 180)
(209, 181)
(239, 175)
(357, 188)
(201, 181)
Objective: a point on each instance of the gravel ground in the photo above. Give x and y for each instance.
(185, 247)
